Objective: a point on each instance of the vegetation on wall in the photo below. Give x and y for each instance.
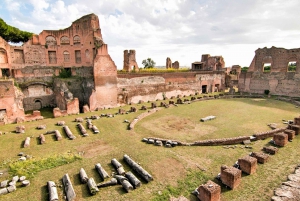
(65, 73)
(245, 69)
(12, 34)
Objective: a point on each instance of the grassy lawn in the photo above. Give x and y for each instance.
(176, 171)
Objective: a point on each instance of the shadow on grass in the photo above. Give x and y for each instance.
(44, 193)
(38, 141)
(22, 144)
(84, 188)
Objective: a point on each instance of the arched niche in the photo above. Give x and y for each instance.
(50, 41)
(76, 40)
(64, 40)
(3, 56)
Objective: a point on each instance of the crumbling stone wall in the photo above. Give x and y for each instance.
(279, 80)
(149, 87)
(105, 78)
(209, 63)
(130, 61)
(168, 63)
(11, 105)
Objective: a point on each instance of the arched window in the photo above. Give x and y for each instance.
(50, 40)
(76, 40)
(3, 56)
(65, 40)
(66, 56)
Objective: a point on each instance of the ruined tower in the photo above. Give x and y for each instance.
(130, 61)
(105, 78)
(168, 63)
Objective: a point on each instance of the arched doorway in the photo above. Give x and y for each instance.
(37, 105)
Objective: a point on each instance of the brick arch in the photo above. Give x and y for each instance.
(64, 40)
(76, 40)
(50, 40)
(37, 103)
(3, 56)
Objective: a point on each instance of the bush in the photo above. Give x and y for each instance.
(65, 73)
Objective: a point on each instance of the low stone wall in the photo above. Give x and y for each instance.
(141, 116)
(224, 141)
(267, 134)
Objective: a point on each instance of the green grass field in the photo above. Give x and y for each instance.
(176, 171)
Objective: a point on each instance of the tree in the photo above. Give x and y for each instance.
(12, 34)
(148, 63)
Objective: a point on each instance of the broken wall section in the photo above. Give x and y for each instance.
(105, 92)
(11, 105)
(130, 63)
(279, 80)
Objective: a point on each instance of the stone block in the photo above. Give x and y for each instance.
(271, 150)
(248, 164)
(280, 139)
(297, 121)
(290, 133)
(209, 191)
(295, 128)
(231, 176)
(261, 157)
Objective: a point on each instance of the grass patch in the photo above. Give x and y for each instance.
(184, 187)
(31, 167)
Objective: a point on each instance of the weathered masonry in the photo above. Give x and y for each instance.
(273, 69)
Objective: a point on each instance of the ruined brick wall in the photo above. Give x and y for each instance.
(11, 106)
(175, 65)
(105, 78)
(279, 80)
(136, 87)
(168, 63)
(209, 63)
(130, 63)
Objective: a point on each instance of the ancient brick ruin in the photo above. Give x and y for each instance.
(209, 191)
(209, 63)
(169, 64)
(279, 78)
(248, 164)
(79, 51)
(130, 63)
(231, 176)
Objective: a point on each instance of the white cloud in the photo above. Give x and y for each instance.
(180, 29)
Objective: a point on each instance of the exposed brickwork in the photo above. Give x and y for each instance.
(130, 63)
(209, 191)
(271, 150)
(280, 139)
(278, 80)
(261, 157)
(231, 176)
(248, 164)
(290, 133)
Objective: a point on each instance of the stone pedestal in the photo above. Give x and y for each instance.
(295, 128)
(248, 164)
(271, 150)
(290, 133)
(261, 157)
(230, 176)
(280, 139)
(209, 191)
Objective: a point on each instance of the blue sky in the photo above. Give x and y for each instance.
(180, 29)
